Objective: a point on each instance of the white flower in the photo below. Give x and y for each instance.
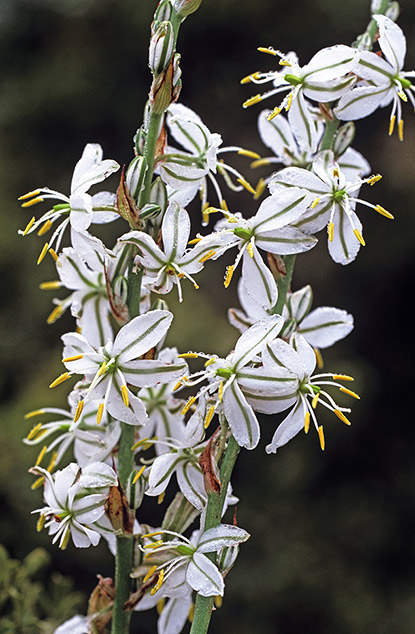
(79, 208)
(384, 81)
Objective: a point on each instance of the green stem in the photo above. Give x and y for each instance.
(284, 285)
(149, 150)
(373, 27)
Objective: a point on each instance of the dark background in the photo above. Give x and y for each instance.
(332, 547)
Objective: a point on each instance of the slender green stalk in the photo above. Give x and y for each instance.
(373, 27)
(149, 150)
(284, 285)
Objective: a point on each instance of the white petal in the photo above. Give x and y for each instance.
(204, 577)
(303, 124)
(290, 426)
(330, 63)
(161, 471)
(174, 615)
(362, 101)
(276, 134)
(140, 334)
(391, 41)
(345, 246)
(241, 417)
(255, 339)
(324, 326)
(259, 280)
(175, 231)
(81, 211)
(222, 536)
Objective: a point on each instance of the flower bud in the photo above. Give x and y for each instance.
(163, 11)
(135, 175)
(120, 290)
(161, 48)
(393, 10)
(139, 141)
(149, 211)
(343, 138)
(135, 489)
(161, 93)
(184, 8)
(375, 6)
(158, 194)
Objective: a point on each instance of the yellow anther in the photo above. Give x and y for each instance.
(209, 416)
(359, 237)
(43, 253)
(232, 219)
(207, 256)
(211, 210)
(289, 102)
(60, 379)
(223, 205)
(330, 229)
(158, 584)
(50, 286)
(274, 114)
(228, 276)
(41, 455)
(188, 405)
(76, 357)
(35, 412)
(33, 432)
(100, 412)
(315, 400)
(138, 474)
(35, 192)
(374, 179)
(149, 573)
(54, 254)
(252, 100)
(55, 314)
(321, 437)
(78, 411)
(37, 483)
(103, 368)
(269, 50)
(40, 523)
(400, 130)
(147, 535)
(160, 498)
(307, 422)
(381, 210)
(160, 605)
(250, 249)
(259, 189)
(66, 539)
(315, 203)
(52, 461)
(124, 394)
(260, 163)
(249, 153)
(218, 601)
(342, 417)
(29, 225)
(284, 62)
(336, 173)
(319, 358)
(194, 241)
(191, 613)
(34, 201)
(403, 96)
(220, 391)
(342, 377)
(139, 443)
(154, 545)
(180, 383)
(45, 228)
(251, 77)
(210, 361)
(392, 125)
(245, 184)
(349, 392)
(188, 355)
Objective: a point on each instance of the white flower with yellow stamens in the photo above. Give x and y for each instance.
(110, 369)
(78, 209)
(335, 199)
(383, 79)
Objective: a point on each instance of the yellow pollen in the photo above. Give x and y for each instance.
(336, 173)
(33, 431)
(381, 210)
(50, 286)
(315, 401)
(209, 416)
(269, 50)
(220, 391)
(330, 230)
(35, 412)
(161, 498)
(45, 228)
(251, 77)
(400, 130)
(76, 357)
(55, 314)
(40, 523)
(260, 163)
(194, 241)
(210, 361)
(250, 249)
(124, 394)
(158, 584)
(252, 100)
(289, 102)
(149, 573)
(274, 114)
(37, 483)
(321, 437)
(307, 422)
(403, 96)
(342, 377)
(29, 225)
(54, 254)
(342, 417)
(232, 219)
(160, 605)
(211, 210)
(65, 540)
(315, 203)
(245, 184)
(180, 383)
(103, 368)
(154, 545)
(188, 355)
(224, 205)
(138, 474)
(100, 412)
(188, 405)
(34, 201)
(207, 256)
(249, 153)
(349, 392)
(60, 379)
(218, 601)
(41, 455)
(374, 179)
(319, 357)
(284, 62)
(52, 461)
(228, 276)
(78, 411)
(43, 253)
(259, 189)
(35, 192)
(359, 237)
(392, 125)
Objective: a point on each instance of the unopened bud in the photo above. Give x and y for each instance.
(344, 138)
(184, 8)
(158, 194)
(163, 11)
(363, 42)
(139, 141)
(160, 304)
(136, 486)
(161, 93)
(375, 6)
(393, 10)
(120, 290)
(135, 175)
(161, 48)
(149, 211)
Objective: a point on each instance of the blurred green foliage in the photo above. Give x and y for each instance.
(332, 546)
